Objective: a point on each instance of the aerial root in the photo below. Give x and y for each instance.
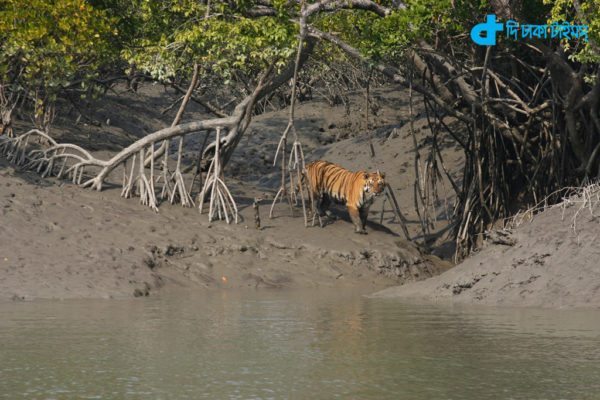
(296, 159)
(71, 158)
(221, 203)
(146, 186)
(179, 190)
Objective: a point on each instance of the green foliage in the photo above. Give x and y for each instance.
(177, 33)
(45, 45)
(174, 34)
(387, 38)
(582, 12)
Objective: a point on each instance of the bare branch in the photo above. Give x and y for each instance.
(388, 71)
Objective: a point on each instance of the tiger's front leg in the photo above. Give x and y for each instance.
(356, 220)
(364, 214)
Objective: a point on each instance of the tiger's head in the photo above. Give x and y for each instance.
(374, 183)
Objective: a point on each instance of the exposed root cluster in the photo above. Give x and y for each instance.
(37, 151)
(49, 158)
(585, 198)
(221, 204)
(582, 199)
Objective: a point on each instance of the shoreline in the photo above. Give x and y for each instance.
(546, 262)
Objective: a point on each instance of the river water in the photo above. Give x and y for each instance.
(293, 345)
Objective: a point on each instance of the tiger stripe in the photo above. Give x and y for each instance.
(357, 190)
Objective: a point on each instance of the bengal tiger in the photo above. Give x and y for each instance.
(327, 181)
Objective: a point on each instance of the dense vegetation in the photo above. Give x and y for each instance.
(527, 111)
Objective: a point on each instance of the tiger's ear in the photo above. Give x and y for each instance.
(365, 175)
(382, 175)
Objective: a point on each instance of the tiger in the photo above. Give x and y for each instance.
(327, 181)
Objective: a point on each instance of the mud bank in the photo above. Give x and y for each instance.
(61, 241)
(552, 261)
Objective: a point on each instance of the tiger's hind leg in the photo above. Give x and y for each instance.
(330, 215)
(323, 204)
(316, 213)
(356, 217)
(317, 208)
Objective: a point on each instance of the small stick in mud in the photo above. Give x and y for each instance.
(255, 205)
(382, 210)
(389, 193)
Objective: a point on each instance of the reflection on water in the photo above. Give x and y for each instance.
(299, 345)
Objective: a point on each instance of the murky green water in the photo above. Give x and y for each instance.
(298, 345)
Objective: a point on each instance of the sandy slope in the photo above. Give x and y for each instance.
(553, 263)
(61, 241)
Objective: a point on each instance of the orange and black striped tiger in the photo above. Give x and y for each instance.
(327, 181)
